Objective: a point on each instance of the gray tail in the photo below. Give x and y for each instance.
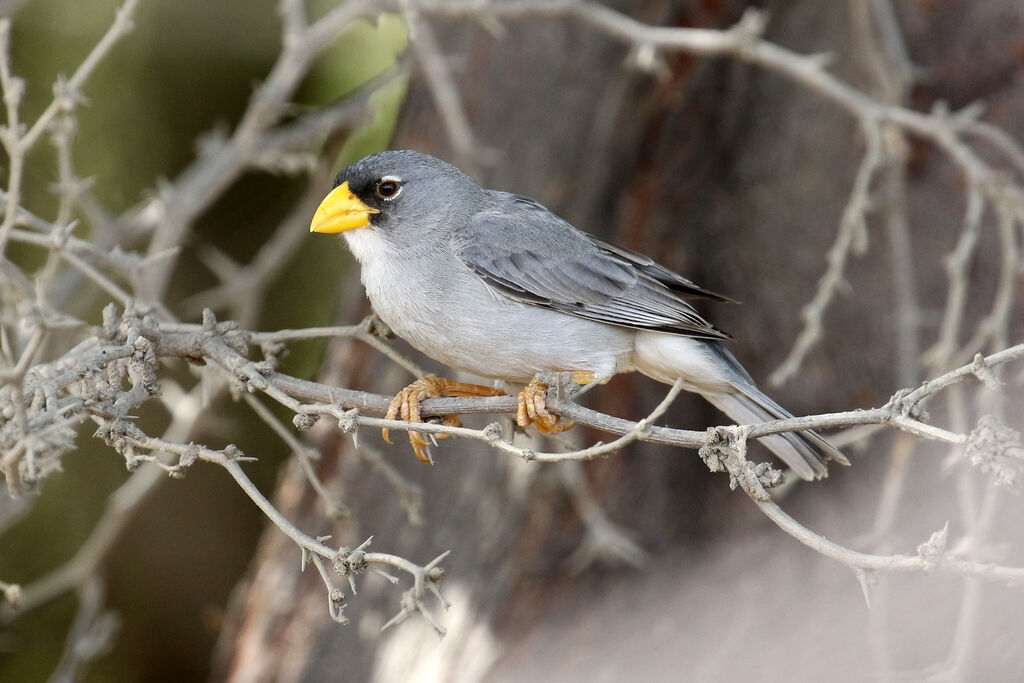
(807, 453)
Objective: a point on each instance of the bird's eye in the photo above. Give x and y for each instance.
(388, 188)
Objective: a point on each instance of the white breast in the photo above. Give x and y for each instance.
(433, 301)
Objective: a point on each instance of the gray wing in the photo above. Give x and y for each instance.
(525, 252)
(674, 281)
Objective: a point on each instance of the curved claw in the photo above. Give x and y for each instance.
(531, 409)
(393, 408)
(406, 405)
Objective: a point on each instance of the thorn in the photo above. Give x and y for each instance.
(389, 577)
(868, 579)
(432, 587)
(437, 560)
(158, 256)
(395, 620)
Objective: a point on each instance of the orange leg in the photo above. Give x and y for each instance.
(407, 405)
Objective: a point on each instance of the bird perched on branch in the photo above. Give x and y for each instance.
(495, 284)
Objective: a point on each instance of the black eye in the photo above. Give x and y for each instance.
(388, 188)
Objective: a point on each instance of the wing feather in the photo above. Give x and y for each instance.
(525, 252)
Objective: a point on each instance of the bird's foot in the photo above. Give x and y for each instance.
(406, 405)
(531, 407)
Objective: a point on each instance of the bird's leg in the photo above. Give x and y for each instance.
(531, 408)
(406, 404)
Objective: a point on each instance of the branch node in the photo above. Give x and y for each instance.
(273, 352)
(903, 403)
(348, 421)
(377, 327)
(755, 479)
(725, 450)
(712, 450)
(336, 605)
(751, 25)
(984, 373)
(493, 432)
(190, 456)
(933, 551)
(209, 320)
(234, 453)
(305, 421)
(996, 449)
(67, 96)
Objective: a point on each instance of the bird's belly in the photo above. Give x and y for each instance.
(489, 335)
(516, 349)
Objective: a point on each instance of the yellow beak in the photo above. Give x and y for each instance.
(341, 210)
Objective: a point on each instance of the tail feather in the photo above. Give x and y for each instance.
(711, 370)
(807, 453)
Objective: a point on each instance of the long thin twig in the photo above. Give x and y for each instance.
(68, 94)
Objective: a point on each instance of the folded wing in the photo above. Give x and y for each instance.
(525, 252)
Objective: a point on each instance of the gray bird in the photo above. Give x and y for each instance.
(497, 285)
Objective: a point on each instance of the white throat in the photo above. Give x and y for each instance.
(367, 246)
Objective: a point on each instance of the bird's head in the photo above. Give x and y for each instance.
(406, 197)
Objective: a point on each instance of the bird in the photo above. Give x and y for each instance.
(495, 284)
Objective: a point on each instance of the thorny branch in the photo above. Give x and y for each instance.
(137, 346)
(58, 375)
(33, 444)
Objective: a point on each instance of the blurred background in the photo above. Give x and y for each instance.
(726, 173)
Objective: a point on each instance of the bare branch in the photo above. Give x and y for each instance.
(852, 238)
(66, 97)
